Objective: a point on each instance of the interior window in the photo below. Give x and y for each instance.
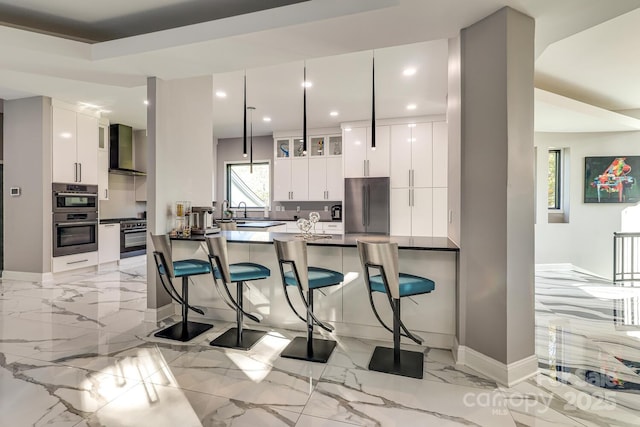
(251, 187)
(554, 180)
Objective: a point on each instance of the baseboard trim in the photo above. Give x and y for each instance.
(27, 277)
(555, 267)
(507, 375)
(567, 267)
(155, 315)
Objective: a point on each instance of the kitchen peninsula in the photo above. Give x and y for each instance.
(432, 316)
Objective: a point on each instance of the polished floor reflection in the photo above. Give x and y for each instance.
(76, 352)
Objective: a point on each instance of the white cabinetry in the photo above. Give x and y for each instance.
(325, 168)
(418, 179)
(316, 175)
(290, 179)
(103, 160)
(75, 146)
(71, 262)
(360, 159)
(108, 243)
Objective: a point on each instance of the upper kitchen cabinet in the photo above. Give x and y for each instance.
(412, 155)
(360, 159)
(103, 159)
(75, 146)
(290, 170)
(314, 176)
(322, 146)
(325, 168)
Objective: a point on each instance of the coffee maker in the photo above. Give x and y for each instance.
(202, 220)
(336, 212)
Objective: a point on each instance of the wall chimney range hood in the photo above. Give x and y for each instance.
(121, 150)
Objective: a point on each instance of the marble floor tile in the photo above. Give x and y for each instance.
(75, 351)
(45, 393)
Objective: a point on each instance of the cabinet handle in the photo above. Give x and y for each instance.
(368, 168)
(75, 172)
(77, 262)
(409, 177)
(364, 168)
(106, 193)
(80, 164)
(413, 177)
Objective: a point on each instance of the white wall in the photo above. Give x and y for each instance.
(586, 241)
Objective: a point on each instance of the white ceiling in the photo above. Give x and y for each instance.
(335, 38)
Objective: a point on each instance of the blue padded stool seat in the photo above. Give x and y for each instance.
(245, 272)
(318, 277)
(409, 285)
(188, 267)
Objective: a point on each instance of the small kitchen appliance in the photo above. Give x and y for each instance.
(202, 220)
(336, 212)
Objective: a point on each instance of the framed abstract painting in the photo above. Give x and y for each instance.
(611, 179)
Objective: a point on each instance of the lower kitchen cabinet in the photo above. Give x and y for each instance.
(108, 243)
(419, 212)
(411, 211)
(71, 262)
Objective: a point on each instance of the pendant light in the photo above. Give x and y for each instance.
(304, 111)
(244, 127)
(373, 102)
(251, 139)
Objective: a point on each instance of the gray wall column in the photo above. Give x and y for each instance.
(27, 164)
(497, 186)
(179, 159)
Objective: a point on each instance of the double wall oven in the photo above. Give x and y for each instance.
(75, 219)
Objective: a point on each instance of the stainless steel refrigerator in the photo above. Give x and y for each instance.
(366, 205)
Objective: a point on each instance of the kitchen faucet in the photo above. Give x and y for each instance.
(245, 208)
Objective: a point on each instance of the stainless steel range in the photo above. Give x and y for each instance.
(133, 237)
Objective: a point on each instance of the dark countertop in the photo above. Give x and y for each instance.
(119, 220)
(257, 224)
(344, 240)
(281, 220)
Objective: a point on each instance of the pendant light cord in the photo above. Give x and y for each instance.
(373, 102)
(304, 111)
(244, 128)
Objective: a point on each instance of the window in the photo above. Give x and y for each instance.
(246, 186)
(554, 181)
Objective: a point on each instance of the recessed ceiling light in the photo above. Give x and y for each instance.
(146, 102)
(65, 135)
(307, 84)
(347, 129)
(358, 142)
(333, 113)
(411, 107)
(411, 125)
(221, 94)
(411, 140)
(266, 119)
(410, 71)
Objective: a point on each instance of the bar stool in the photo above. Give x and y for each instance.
(293, 254)
(185, 330)
(237, 273)
(396, 285)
